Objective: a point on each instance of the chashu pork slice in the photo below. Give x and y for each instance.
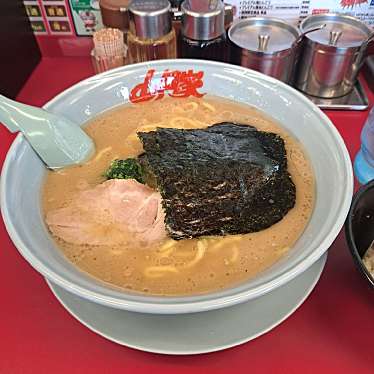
(114, 212)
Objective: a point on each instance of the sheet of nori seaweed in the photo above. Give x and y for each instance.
(225, 179)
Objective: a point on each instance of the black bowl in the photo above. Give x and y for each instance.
(359, 227)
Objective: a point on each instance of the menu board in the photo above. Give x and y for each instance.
(34, 12)
(49, 17)
(61, 17)
(294, 11)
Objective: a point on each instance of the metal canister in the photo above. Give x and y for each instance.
(331, 57)
(268, 45)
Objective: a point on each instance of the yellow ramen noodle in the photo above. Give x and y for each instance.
(182, 267)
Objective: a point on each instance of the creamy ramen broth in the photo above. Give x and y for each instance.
(181, 267)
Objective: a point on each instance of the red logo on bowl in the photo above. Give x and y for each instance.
(175, 83)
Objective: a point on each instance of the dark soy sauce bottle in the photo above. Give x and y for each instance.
(177, 21)
(203, 34)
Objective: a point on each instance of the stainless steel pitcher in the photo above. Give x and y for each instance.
(331, 57)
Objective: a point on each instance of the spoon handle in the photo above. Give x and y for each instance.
(302, 35)
(57, 140)
(10, 113)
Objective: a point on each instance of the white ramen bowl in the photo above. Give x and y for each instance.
(23, 173)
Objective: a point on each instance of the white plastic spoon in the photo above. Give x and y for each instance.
(58, 141)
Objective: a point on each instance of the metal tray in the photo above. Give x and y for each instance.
(356, 100)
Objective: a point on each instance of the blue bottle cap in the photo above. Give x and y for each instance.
(363, 170)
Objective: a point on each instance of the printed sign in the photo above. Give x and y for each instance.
(38, 26)
(35, 14)
(55, 11)
(33, 10)
(294, 11)
(86, 16)
(48, 16)
(59, 26)
(57, 17)
(361, 9)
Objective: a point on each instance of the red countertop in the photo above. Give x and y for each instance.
(332, 332)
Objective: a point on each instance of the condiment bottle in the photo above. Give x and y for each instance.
(229, 16)
(364, 161)
(151, 35)
(115, 14)
(203, 30)
(177, 21)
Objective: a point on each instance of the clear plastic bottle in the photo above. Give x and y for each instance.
(364, 161)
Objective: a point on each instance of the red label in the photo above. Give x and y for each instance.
(174, 82)
(320, 11)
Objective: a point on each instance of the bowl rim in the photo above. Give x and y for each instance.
(198, 303)
(348, 228)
